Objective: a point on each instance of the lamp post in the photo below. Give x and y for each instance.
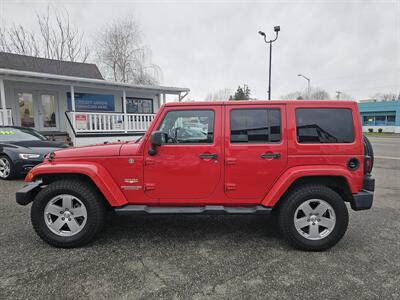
(276, 29)
(308, 84)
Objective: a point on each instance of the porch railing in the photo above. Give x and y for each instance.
(6, 119)
(98, 122)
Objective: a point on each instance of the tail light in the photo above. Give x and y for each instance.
(367, 164)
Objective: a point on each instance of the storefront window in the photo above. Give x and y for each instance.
(391, 120)
(139, 105)
(380, 120)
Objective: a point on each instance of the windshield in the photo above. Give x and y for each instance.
(10, 134)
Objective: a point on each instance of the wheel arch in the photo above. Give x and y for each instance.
(336, 178)
(93, 173)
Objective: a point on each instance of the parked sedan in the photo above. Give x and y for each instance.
(21, 149)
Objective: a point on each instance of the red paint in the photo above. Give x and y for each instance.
(126, 173)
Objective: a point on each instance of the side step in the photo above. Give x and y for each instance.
(195, 210)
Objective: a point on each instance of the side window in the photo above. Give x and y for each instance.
(324, 125)
(256, 126)
(189, 126)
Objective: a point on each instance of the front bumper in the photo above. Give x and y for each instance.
(364, 199)
(26, 195)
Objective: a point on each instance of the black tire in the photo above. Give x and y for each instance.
(12, 173)
(87, 194)
(368, 150)
(294, 199)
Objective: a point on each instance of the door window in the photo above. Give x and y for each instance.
(255, 126)
(49, 111)
(25, 102)
(189, 126)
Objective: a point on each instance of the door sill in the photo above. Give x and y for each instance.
(192, 210)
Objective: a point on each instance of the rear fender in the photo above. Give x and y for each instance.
(96, 172)
(292, 174)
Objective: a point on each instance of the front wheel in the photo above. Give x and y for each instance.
(68, 213)
(7, 169)
(313, 217)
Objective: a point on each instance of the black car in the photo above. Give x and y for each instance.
(21, 149)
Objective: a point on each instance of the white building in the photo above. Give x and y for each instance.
(61, 98)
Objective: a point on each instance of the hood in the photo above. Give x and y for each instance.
(90, 151)
(39, 147)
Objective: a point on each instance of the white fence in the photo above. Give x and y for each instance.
(7, 119)
(95, 122)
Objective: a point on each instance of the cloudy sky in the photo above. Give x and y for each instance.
(351, 46)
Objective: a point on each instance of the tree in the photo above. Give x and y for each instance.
(57, 38)
(386, 96)
(122, 56)
(315, 94)
(241, 93)
(220, 95)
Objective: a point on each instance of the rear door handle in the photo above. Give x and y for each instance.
(271, 155)
(208, 156)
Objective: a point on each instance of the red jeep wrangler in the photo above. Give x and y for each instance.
(301, 160)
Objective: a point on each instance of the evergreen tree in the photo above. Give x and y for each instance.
(241, 93)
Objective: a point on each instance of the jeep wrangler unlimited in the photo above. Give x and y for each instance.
(300, 160)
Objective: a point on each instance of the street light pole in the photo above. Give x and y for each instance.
(308, 84)
(276, 29)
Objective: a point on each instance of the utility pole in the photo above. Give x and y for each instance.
(276, 29)
(338, 95)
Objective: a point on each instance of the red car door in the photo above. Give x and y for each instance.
(188, 166)
(255, 149)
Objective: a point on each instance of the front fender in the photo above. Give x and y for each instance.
(96, 172)
(292, 174)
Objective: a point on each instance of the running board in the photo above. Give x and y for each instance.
(194, 210)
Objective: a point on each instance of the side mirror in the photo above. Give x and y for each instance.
(157, 138)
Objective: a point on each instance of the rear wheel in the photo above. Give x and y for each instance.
(313, 217)
(7, 169)
(68, 213)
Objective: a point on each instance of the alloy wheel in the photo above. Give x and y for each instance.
(65, 215)
(5, 167)
(314, 219)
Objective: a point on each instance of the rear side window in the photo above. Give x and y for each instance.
(255, 126)
(324, 125)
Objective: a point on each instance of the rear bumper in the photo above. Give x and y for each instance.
(25, 195)
(364, 199)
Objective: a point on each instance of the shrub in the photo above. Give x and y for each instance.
(380, 130)
(370, 130)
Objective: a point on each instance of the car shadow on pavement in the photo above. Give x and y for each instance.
(182, 228)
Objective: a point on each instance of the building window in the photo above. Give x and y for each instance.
(324, 125)
(255, 126)
(391, 120)
(380, 120)
(139, 105)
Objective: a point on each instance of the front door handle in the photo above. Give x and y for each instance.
(271, 155)
(208, 156)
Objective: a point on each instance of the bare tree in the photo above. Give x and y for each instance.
(386, 96)
(123, 57)
(222, 94)
(57, 39)
(315, 94)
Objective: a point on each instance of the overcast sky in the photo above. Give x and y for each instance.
(352, 46)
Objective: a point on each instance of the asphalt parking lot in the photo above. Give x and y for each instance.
(203, 257)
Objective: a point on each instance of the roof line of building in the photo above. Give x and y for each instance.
(76, 80)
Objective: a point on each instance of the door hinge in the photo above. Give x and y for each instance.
(149, 161)
(149, 186)
(230, 187)
(230, 161)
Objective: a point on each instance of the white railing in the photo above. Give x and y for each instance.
(7, 119)
(96, 122)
